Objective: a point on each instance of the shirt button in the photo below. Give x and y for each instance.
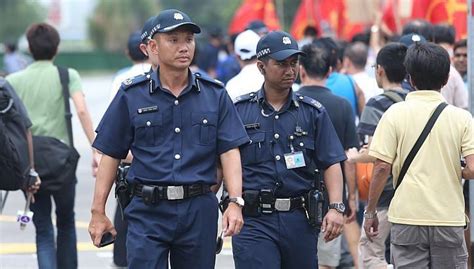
(301, 144)
(277, 157)
(204, 121)
(148, 123)
(276, 136)
(277, 117)
(177, 156)
(176, 102)
(177, 130)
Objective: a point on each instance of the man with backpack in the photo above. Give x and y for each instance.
(421, 145)
(16, 148)
(42, 91)
(389, 73)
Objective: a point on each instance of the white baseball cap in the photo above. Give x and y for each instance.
(245, 44)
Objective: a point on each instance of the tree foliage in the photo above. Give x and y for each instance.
(113, 21)
(16, 16)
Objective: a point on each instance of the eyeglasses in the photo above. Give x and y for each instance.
(220, 242)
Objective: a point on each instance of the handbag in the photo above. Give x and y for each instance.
(55, 161)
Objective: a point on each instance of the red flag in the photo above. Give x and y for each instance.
(328, 16)
(452, 12)
(306, 15)
(250, 10)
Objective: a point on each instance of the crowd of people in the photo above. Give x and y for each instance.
(265, 114)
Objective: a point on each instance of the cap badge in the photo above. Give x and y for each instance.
(178, 16)
(415, 38)
(286, 40)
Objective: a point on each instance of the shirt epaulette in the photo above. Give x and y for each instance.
(130, 82)
(246, 97)
(215, 82)
(310, 101)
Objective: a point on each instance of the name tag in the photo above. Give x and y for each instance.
(294, 160)
(252, 126)
(147, 109)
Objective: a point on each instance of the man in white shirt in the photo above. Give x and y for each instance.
(249, 79)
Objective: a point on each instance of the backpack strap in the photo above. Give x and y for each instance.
(64, 78)
(393, 96)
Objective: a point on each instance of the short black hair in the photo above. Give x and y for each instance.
(310, 31)
(316, 61)
(444, 34)
(331, 48)
(363, 37)
(428, 65)
(460, 44)
(419, 26)
(43, 40)
(391, 58)
(357, 53)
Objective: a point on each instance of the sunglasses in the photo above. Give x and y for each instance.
(220, 242)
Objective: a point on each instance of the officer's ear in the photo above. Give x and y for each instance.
(143, 49)
(261, 67)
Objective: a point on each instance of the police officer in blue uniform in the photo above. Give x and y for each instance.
(177, 125)
(290, 135)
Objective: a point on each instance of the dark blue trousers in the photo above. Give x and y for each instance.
(185, 230)
(282, 240)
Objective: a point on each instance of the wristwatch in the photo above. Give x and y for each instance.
(237, 200)
(339, 207)
(33, 173)
(368, 215)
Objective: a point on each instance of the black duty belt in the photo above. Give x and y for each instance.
(152, 193)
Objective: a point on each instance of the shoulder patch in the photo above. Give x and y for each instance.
(310, 101)
(210, 80)
(246, 97)
(130, 82)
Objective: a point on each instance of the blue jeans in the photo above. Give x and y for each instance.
(64, 253)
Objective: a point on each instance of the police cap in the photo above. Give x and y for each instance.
(147, 27)
(278, 45)
(170, 19)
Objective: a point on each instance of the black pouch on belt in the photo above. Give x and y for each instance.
(315, 207)
(123, 192)
(251, 198)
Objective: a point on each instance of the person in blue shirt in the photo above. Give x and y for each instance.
(290, 136)
(177, 125)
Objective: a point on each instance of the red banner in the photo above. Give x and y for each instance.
(452, 12)
(251, 10)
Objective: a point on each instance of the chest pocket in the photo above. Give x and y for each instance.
(257, 150)
(148, 129)
(306, 145)
(204, 128)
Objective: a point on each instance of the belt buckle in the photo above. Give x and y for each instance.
(175, 192)
(283, 204)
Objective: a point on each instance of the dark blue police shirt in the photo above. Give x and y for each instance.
(269, 131)
(174, 141)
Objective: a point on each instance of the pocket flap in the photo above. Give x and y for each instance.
(256, 137)
(147, 120)
(204, 119)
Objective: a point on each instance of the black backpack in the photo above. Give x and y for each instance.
(14, 162)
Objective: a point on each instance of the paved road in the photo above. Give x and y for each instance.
(17, 248)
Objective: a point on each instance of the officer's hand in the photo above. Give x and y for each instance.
(371, 227)
(98, 226)
(333, 224)
(232, 220)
